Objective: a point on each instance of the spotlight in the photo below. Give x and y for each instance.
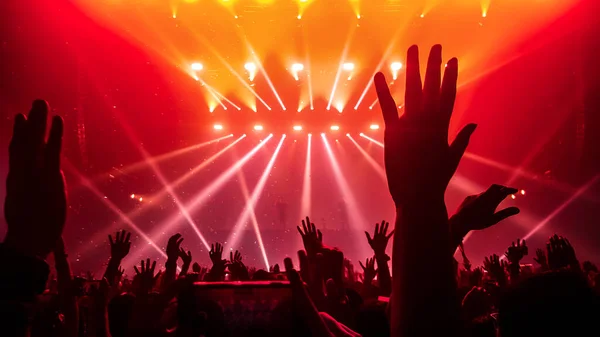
(299, 17)
(197, 66)
(358, 16)
(310, 135)
(334, 128)
(348, 66)
(258, 127)
(361, 134)
(422, 15)
(132, 196)
(339, 107)
(322, 134)
(297, 67)
(374, 127)
(513, 196)
(218, 127)
(396, 66)
(347, 135)
(297, 128)
(250, 66)
(141, 199)
(522, 192)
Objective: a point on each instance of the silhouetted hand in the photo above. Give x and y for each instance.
(466, 262)
(418, 160)
(145, 279)
(311, 237)
(36, 202)
(561, 254)
(216, 253)
(196, 267)
(119, 248)
(495, 267)
(479, 211)
(541, 258)
(236, 266)
(380, 239)
(185, 257)
(173, 247)
(369, 271)
(515, 253)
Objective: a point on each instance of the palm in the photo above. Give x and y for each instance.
(36, 203)
(418, 158)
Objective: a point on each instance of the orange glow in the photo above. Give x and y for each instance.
(374, 126)
(258, 127)
(218, 127)
(297, 128)
(334, 128)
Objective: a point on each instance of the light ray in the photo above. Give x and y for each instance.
(251, 205)
(340, 68)
(264, 72)
(378, 143)
(353, 208)
(212, 91)
(380, 171)
(110, 205)
(306, 184)
(160, 195)
(209, 190)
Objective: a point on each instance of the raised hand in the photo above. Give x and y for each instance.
(466, 262)
(216, 253)
(119, 248)
(479, 211)
(495, 267)
(516, 252)
(311, 237)
(369, 271)
(418, 160)
(185, 257)
(145, 279)
(236, 267)
(173, 247)
(561, 254)
(380, 239)
(36, 202)
(540, 258)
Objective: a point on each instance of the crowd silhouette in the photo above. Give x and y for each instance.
(430, 293)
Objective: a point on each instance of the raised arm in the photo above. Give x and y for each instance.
(419, 164)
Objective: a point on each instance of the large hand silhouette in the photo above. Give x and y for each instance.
(36, 202)
(418, 160)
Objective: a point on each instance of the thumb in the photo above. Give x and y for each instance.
(460, 143)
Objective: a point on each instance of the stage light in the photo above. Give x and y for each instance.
(258, 127)
(522, 192)
(297, 128)
(361, 134)
(348, 66)
(340, 107)
(196, 66)
(396, 66)
(380, 171)
(422, 15)
(322, 133)
(141, 199)
(299, 17)
(334, 128)
(374, 127)
(358, 16)
(251, 68)
(306, 184)
(378, 143)
(218, 127)
(297, 67)
(132, 196)
(347, 135)
(513, 196)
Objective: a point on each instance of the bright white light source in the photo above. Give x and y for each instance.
(348, 66)
(133, 196)
(334, 128)
(250, 66)
(197, 66)
(218, 127)
(396, 66)
(258, 127)
(340, 107)
(297, 128)
(297, 67)
(374, 127)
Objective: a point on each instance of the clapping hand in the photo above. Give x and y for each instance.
(36, 202)
(311, 237)
(119, 248)
(380, 239)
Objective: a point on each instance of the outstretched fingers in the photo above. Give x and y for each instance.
(414, 86)
(386, 101)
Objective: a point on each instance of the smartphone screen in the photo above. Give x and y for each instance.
(246, 306)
